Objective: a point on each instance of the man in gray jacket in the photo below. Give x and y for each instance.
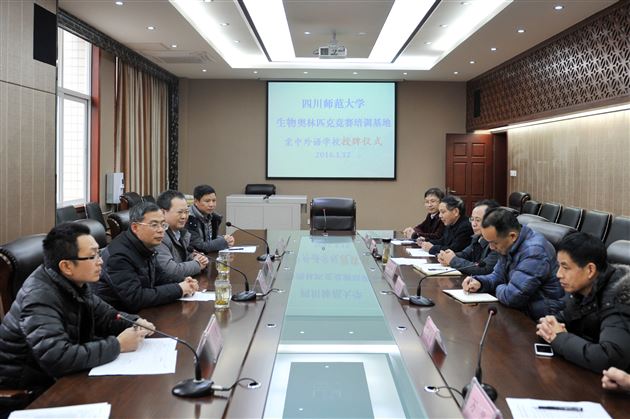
(173, 254)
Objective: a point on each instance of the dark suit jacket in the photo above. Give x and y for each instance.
(456, 237)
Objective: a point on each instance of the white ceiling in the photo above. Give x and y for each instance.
(348, 18)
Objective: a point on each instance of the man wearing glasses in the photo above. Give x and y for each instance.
(133, 279)
(173, 253)
(56, 326)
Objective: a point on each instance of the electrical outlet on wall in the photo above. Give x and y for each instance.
(512, 173)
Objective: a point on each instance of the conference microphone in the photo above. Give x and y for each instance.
(490, 391)
(247, 295)
(192, 387)
(419, 300)
(325, 223)
(261, 258)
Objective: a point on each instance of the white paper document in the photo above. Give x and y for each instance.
(436, 269)
(200, 296)
(473, 297)
(397, 242)
(241, 249)
(408, 261)
(551, 409)
(418, 253)
(154, 356)
(80, 411)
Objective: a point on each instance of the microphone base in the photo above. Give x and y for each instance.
(244, 296)
(193, 388)
(418, 300)
(490, 391)
(263, 258)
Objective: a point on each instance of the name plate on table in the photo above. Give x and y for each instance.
(281, 246)
(390, 271)
(431, 336)
(400, 289)
(478, 405)
(262, 283)
(211, 342)
(268, 270)
(372, 246)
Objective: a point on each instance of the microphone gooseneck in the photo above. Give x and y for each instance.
(490, 390)
(247, 295)
(419, 300)
(261, 257)
(197, 387)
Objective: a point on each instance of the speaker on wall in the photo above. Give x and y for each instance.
(44, 35)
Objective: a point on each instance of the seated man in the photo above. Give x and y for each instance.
(133, 279)
(457, 231)
(592, 330)
(203, 222)
(173, 253)
(56, 326)
(478, 251)
(524, 277)
(432, 227)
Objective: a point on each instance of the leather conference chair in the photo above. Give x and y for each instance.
(512, 210)
(118, 222)
(93, 212)
(550, 211)
(129, 199)
(525, 219)
(340, 214)
(96, 230)
(619, 252)
(595, 223)
(260, 189)
(619, 229)
(18, 259)
(517, 199)
(571, 216)
(553, 232)
(64, 214)
(531, 207)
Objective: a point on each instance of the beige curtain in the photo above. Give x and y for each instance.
(141, 129)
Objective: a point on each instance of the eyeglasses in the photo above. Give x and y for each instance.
(155, 225)
(97, 255)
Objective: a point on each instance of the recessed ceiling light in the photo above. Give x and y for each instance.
(173, 45)
(224, 24)
(444, 25)
(150, 28)
(404, 74)
(558, 7)
(520, 30)
(428, 43)
(236, 41)
(307, 33)
(493, 49)
(355, 73)
(456, 72)
(465, 3)
(471, 61)
(203, 70)
(207, 1)
(119, 3)
(255, 72)
(306, 72)
(362, 33)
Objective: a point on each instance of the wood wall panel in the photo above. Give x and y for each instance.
(579, 162)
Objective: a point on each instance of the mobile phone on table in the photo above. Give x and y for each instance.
(542, 349)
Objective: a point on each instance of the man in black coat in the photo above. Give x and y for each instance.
(56, 326)
(133, 279)
(457, 232)
(593, 330)
(203, 223)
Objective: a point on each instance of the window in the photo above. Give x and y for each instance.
(73, 113)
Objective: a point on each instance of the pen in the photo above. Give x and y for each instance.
(236, 248)
(564, 408)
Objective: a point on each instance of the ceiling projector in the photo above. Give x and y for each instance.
(333, 51)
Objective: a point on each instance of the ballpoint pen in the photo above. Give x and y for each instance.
(564, 408)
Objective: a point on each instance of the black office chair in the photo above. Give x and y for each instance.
(571, 216)
(96, 230)
(595, 223)
(517, 199)
(260, 189)
(550, 211)
(18, 259)
(93, 212)
(525, 219)
(619, 252)
(333, 214)
(531, 207)
(118, 222)
(129, 199)
(553, 232)
(64, 214)
(619, 229)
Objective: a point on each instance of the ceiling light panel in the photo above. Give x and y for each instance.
(272, 26)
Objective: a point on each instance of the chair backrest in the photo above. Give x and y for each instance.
(340, 214)
(129, 199)
(550, 210)
(93, 212)
(531, 207)
(512, 210)
(18, 259)
(118, 222)
(525, 219)
(571, 216)
(260, 189)
(595, 223)
(619, 252)
(64, 214)
(619, 229)
(96, 230)
(517, 199)
(553, 232)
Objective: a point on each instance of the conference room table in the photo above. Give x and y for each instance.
(332, 341)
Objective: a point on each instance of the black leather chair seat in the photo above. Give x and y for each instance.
(619, 229)
(531, 207)
(517, 199)
(340, 214)
(551, 211)
(260, 189)
(64, 214)
(571, 216)
(93, 211)
(619, 252)
(118, 222)
(96, 230)
(553, 232)
(595, 223)
(525, 219)
(129, 199)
